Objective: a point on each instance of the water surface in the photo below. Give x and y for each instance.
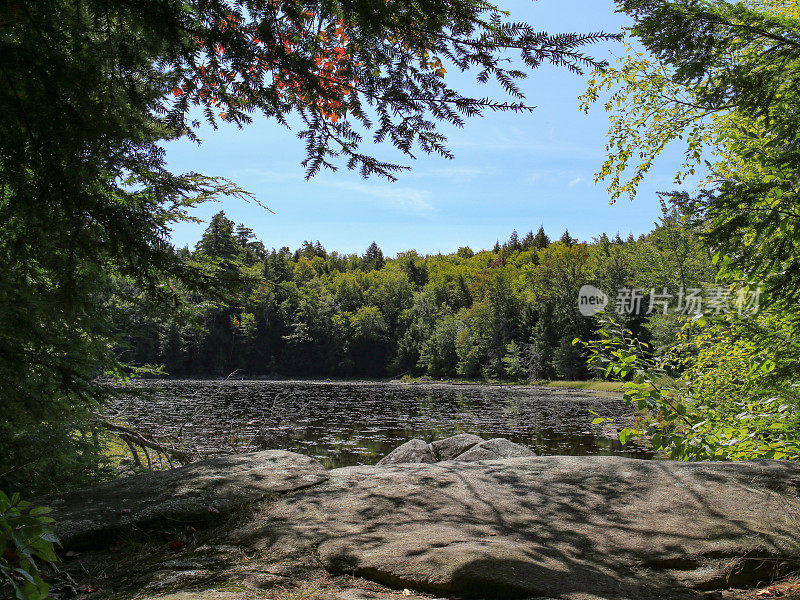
(358, 423)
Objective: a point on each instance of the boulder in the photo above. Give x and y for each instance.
(495, 449)
(461, 447)
(449, 448)
(93, 517)
(576, 528)
(413, 451)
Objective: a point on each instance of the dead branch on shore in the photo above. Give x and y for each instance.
(135, 438)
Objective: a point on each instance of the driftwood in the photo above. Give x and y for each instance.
(132, 437)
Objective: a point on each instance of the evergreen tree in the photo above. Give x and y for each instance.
(567, 239)
(251, 249)
(277, 267)
(541, 241)
(528, 241)
(244, 236)
(373, 258)
(513, 242)
(218, 240)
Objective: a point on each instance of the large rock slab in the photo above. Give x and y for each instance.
(413, 451)
(92, 517)
(464, 446)
(495, 449)
(576, 528)
(449, 448)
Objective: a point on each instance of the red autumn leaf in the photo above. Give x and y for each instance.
(10, 555)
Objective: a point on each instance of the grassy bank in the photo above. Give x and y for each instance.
(596, 385)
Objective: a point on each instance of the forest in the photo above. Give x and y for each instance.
(506, 313)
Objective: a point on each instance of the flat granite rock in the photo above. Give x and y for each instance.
(579, 528)
(92, 517)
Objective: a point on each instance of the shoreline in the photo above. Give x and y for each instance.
(591, 385)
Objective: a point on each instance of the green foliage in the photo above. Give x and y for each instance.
(513, 362)
(722, 77)
(311, 313)
(724, 405)
(25, 538)
(438, 356)
(373, 258)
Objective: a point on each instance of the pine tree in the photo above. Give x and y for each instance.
(373, 258)
(513, 242)
(528, 241)
(541, 241)
(218, 240)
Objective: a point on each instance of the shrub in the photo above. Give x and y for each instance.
(25, 537)
(725, 405)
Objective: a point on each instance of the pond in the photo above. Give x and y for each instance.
(351, 423)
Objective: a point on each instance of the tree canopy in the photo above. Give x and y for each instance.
(505, 314)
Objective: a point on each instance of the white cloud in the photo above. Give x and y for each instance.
(555, 177)
(267, 176)
(522, 141)
(401, 198)
(460, 173)
(575, 182)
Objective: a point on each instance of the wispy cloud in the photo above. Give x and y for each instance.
(250, 174)
(575, 182)
(522, 141)
(557, 177)
(462, 174)
(401, 198)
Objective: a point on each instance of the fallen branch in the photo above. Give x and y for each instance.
(131, 436)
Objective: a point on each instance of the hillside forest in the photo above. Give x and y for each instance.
(506, 313)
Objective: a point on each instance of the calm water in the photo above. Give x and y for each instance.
(358, 423)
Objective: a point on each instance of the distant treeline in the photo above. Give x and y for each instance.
(507, 313)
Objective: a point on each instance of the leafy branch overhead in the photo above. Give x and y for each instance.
(717, 78)
(351, 66)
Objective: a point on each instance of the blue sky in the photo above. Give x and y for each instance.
(510, 171)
